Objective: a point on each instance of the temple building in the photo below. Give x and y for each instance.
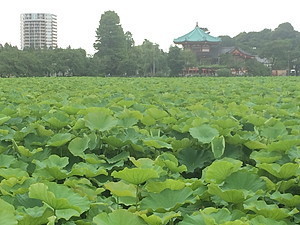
(205, 46)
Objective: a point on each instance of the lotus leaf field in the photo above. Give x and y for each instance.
(158, 151)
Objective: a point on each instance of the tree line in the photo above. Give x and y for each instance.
(117, 55)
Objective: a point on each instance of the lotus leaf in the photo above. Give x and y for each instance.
(160, 218)
(263, 156)
(284, 171)
(195, 219)
(219, 170)
(269, 211)
(13, 172)
(255, 145)
(6, 160)
(170, 161)
(65, 202)
(286, 199)
(259, 220)
(59, 139)
(283, 145)
(78, 145)
(275, 131)
(121, 189)
(119, 216)
(167, 200)
(57, 120)
(135, 175)
(158, 186)
(100, 121)
(7, 213)
(193, 158)
(87, 170)
(157, 143)
(35, 215)
(218, 146)
(244, 180)
(204, 133)
(4, 118)
(231, 195)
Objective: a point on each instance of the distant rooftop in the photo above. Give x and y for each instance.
(196, 35)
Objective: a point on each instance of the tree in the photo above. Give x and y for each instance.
(110, 43)
(175, 60)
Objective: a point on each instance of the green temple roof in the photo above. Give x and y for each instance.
(196, 35)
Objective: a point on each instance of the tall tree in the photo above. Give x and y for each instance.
(110, 43)
(175, 60)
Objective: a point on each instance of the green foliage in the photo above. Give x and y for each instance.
(149, 151)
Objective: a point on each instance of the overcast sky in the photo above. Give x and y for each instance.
(159, 21)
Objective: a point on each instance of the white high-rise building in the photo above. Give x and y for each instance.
(38, 30)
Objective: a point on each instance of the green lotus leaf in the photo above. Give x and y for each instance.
(218, 146)
(178, 145)
(156, 143)
(231, 195)
(78, 145)
(4, 145)
(127, 122)
(244, 180)
(167, 200)
(259, 220)
(220, 216)
(158, 186)
(195, 219)
(25, 151)
(119, 216)
(80, 124)
(287, 199)
(121, 189)
(156, 113)
(219, 170)
(87, 170)
(100, 121)
(57, 119)
(160, 218)
(204, 133)
(115, 142)
(35, 215)
(284, 185)
(284, 171)
(4, 118)
(142, 162)
(269, 211)
(7, 160)
(123, 156)
(275, 131)
(61, 198)
(283, 145)
(255, 145)
(59, 139)
(42, 131)
(13, 172)
(135, 175)
(263, 156)
(84, 187)
(148, 120)
(193, 158)
(170, 161)
(15, 185)
(7, 213)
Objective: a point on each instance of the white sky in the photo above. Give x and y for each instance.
(159, 21)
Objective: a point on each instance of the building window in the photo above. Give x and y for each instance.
(205, 48)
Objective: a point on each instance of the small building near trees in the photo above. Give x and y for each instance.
(208, 51)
